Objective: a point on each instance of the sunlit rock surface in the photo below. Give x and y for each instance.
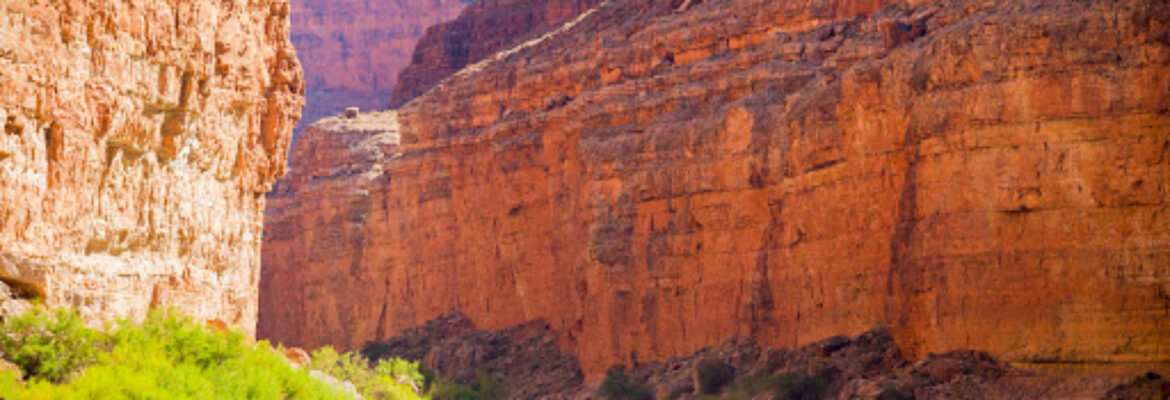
(139, 138)
(658, 177)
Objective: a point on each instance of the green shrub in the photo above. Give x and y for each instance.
(49, 346)
(485, 387)
(798, 385)
(712, 374)
(391, 378)
(752, 384)
(165, 356)
(619, 386)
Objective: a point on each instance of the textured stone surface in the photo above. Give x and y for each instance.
(525, 358)
(352, 50)
(139, 138)
(975, 175)
(528, 365)
(482, 29)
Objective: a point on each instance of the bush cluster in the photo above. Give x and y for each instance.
(50, 347)
(485, 387)
(390, 378)
(713, 374)
(788, 385)
(170, 356)
(620, 386)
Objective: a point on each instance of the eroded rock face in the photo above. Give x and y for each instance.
(139, 138)
(485, 27)
(353, 50)
(660, 177)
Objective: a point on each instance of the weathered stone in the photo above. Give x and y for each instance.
(524, 358)
(352, 50)
(760, 168)
(139, 139)
(298, 357)
(482, 29)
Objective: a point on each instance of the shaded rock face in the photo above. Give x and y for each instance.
(483, 29)
(353, 50)
(1145, 387)
(139, 138)
(525, 357)
(337, 161)
(651, 181)
(869, 366)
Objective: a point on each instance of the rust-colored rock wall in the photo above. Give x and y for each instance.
(353, 50)
(482, 29)
(653, 180)
(139, 138)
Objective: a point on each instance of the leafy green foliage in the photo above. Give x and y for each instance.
(485, 387)
(168, 356)
(713, 374)
(789, 385)
(620, 386)
(389, 379)
(49, 346)
(750, 385)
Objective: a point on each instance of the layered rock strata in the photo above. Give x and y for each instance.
(658, 177)
(482, 29)
(139, 138)
(353, 50)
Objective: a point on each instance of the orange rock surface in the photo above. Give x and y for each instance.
(353, 50)
(482, 29)
(659, 177)
(139, 138)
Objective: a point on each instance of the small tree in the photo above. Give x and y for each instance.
(50, 346)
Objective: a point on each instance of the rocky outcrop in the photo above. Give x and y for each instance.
(868, 366)
(353, 50)
(524, 358)
(482, 29)
(139, 138)
(1149, 386)
(656, 178)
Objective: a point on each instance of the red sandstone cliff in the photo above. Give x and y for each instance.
(484, 28)
(353, 50)
(657, 178)
(139, 138)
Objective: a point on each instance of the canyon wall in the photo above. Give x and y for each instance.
(139, 139)
(657, 177)
(482, 29)
(352, 50)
